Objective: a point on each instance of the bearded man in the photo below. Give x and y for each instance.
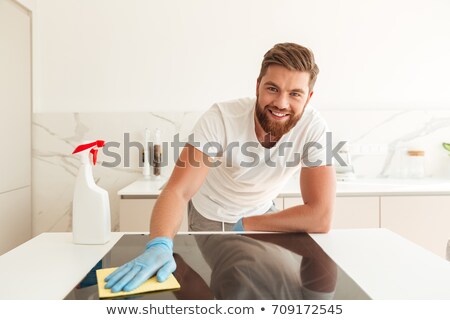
(243, 153)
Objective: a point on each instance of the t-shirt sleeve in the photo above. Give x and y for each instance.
(315, 147)
(208, 134)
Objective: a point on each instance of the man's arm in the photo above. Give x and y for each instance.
(188, 175)
(157, 259)
(318, 190)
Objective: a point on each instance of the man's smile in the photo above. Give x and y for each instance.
(277, 115)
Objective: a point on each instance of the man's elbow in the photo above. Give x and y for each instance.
(324, 221)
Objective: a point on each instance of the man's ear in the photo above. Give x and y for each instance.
(257, 86)
(309, 98)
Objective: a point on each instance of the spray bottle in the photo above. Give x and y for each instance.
(91, 217)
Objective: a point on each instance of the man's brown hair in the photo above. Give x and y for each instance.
(293, 57)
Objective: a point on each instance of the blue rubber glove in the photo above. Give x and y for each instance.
(157, 258)
(239, 226)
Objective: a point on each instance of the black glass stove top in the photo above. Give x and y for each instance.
(271, 266)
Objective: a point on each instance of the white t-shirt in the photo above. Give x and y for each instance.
(247, 176)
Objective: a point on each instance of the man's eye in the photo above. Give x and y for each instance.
(296, 94)
(273, 89)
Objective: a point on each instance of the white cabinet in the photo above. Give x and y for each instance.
(135, 214)
(424, 220)
(15, 96)
(350, 212)
(356, 212)
(290, 202)
(15, 125)
(279, 203)
(15, 222)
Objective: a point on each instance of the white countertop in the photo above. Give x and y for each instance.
(48, 266)
(383, 264)
(357, 187)
(387, 266)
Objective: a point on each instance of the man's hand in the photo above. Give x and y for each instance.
(156, 259)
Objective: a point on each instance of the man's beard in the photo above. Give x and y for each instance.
(276, 129)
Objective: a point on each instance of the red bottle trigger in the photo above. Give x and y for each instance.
(93, 146)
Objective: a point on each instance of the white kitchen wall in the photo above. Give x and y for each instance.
(29, 4)
(106, 68)
(178, 55)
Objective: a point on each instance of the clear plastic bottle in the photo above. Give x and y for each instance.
(416, 164)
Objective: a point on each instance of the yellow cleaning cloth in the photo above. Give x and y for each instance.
(150, 285)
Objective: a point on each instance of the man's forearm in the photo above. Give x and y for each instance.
(301, 218)
(167, 214)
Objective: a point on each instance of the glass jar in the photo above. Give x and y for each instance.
(416, 164)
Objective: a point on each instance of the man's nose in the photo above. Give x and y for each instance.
(282, 101)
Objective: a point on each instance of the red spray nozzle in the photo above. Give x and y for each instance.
(94, 145)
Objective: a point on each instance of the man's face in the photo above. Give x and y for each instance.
(282, 95)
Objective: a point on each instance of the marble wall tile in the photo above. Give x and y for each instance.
(55, 136)
(395, 131)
